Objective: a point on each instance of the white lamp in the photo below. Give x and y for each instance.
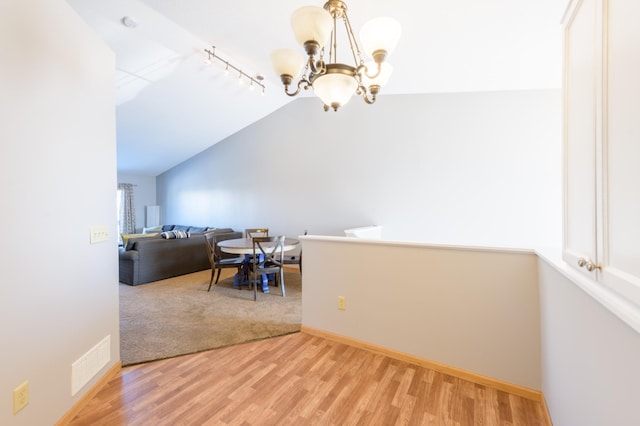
(287, 62)
(311, 23)
(380, 35)
(337, 86)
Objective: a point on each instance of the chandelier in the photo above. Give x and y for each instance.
(333, 82)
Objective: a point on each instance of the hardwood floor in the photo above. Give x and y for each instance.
(298, 379)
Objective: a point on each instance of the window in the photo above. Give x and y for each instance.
(126, 210)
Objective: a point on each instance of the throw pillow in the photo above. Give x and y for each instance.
(127, 237)
(170, 235)
(180, 228)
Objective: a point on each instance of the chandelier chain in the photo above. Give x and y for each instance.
(333, 49)
(353, 44)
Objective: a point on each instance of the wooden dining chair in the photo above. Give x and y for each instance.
(256, 232)
(267, 259)
(294, 260)
(217, 261)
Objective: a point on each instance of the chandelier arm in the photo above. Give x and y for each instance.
(317, 67)
(314, 68)
(286, 91)
(320, 64)
(368, 95)
(298, 87)
(367, 99)
(364, 70)
(312, 65)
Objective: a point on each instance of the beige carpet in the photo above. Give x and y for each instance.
(178, 316)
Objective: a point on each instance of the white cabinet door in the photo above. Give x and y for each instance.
(580, 132)
(621, 173)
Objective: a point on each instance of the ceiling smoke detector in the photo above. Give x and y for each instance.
(129, 22)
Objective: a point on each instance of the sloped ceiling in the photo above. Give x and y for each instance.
(171, 106)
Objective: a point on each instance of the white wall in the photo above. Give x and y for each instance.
(518, 317)
(591, 373)
(58, 293)
(465, 168)
(473, 309)
(144, 194)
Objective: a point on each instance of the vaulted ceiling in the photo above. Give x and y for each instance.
(171, 105)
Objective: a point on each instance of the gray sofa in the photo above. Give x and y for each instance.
(147, 259)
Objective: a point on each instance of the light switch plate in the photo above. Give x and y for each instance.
(99, 233)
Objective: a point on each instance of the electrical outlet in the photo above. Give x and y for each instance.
(342, 303)
(20, 397)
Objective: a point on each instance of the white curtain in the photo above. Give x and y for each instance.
(127, 213)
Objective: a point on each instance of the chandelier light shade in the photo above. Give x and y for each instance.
(336, 86)
(287, 62)
(333, 82)
(311, 23)
(380, 35)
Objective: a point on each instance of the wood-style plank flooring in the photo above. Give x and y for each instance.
(298, 379)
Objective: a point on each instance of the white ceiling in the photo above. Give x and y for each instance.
(171, 106)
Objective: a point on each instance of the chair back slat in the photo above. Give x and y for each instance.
(218, 262)
(215, 253)
(211, 244)
(267, 259)
(271, 249)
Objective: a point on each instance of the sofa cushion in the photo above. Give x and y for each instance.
(170, 235)
(196, 229)
(152, 229)
(220, 230)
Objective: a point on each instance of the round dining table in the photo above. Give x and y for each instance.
(245, 246)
